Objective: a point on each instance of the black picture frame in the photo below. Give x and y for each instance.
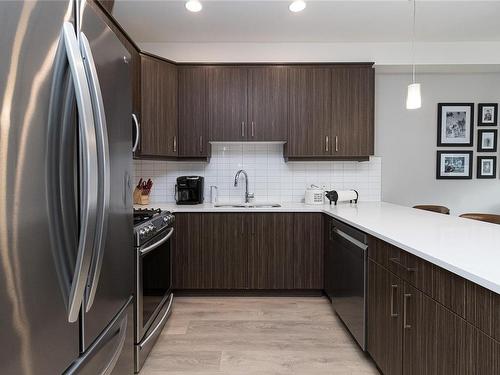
(480, 118)
(440, 176)
(479, 167)
(440, 141)
(480, 134)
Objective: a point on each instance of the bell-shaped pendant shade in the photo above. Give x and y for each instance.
(413, 98)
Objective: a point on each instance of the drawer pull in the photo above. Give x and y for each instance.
(405, 311)
(399, 264)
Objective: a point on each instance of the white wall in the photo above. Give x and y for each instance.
(270, 178)
(406, 141)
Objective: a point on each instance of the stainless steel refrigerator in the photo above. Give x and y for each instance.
(66, 255)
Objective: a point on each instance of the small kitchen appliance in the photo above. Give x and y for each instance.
(189, 190)
(342, 196)
(314, 195)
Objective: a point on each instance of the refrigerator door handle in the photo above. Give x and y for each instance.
(103, 171)
(88, 165)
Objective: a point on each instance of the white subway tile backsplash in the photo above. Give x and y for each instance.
(270, 178)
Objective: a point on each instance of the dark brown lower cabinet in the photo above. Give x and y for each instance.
(248, 251)
(270, 256)
(410, 333)
(308, 251)
(384, 319)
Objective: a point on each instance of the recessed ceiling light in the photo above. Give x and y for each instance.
(193, 6)
(297, 6)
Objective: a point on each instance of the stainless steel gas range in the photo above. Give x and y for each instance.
(153, 230)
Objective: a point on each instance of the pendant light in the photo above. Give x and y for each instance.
(413, 97)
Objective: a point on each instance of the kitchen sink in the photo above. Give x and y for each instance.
(248, 205)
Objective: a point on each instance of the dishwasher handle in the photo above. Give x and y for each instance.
(351, 239)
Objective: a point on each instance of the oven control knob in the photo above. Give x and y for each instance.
(165, 219)
(142, 232)
(151, 228)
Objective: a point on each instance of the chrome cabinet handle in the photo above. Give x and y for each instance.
(327, 141)
(156, 244)
(103, 170)
(160, 323)
(175, 143)
(243, 129)
(137, 132)
(89, 164)
(253, 129)
(406, 297)
(399, 264)
(336, 144)
(201, 144)
(394, 287)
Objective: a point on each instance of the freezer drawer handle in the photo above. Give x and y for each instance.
(394, 287)
(160, 323)
(352, 240)
(103, 171)
(104, 339)
(88, 162)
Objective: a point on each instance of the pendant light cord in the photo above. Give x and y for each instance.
(413, 42)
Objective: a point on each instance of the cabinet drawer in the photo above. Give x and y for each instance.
(410, 268)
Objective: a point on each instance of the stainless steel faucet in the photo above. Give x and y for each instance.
(248, 196)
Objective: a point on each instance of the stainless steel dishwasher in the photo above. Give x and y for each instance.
(347, 269)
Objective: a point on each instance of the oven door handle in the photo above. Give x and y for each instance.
(156, 244)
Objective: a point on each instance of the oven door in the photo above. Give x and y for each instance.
(154, 280)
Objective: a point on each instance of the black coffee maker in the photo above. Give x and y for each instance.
(189, 190)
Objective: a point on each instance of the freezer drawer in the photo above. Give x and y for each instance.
(113, 350)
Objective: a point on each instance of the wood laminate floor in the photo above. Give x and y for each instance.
(249, 335)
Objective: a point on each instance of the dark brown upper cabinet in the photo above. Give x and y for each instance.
(309, 121)
(331, 112)
(227, 103)
(267, 103)
(193, 116)
(352, 111)
(158, 128)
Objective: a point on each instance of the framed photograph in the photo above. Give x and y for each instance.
(487, 140)
(486, 167)
(487, 114)
(454, 165)
(455, 124)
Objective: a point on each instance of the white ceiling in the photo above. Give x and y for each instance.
(168, 21)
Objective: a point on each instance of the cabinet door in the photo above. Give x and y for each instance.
(267, 103)
(308, 252)
(352, 111)
(225, 250)
(158, 108)
(384, 319)
(193, 118)
(419, 333)
(310, 111)
(329, 277)
(270, 256)
(227, 100)
(188, 270)
(168, 106)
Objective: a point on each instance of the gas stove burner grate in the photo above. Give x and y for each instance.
(143, 214)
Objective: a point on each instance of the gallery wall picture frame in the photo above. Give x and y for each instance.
(486, 167)
(455, 125)
(487, 140)
(487, 114)
(454, 165)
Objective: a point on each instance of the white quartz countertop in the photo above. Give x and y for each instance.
(468, 248)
